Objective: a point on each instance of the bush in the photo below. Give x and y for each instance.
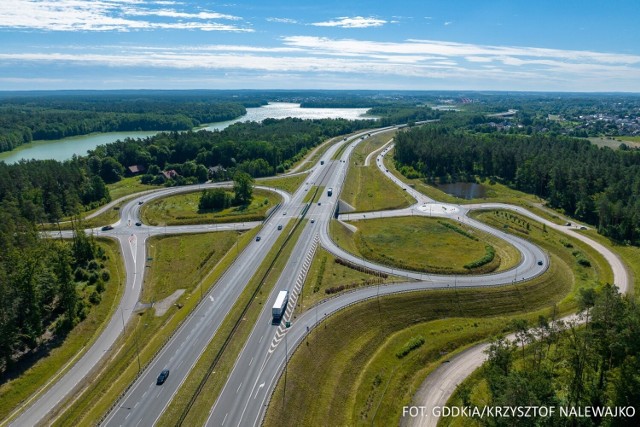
(411, 345)
(490, 253)
(95, 298)
(105, 276)
(100, 286)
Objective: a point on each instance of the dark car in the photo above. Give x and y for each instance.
(162, 377)
(140, 202)
(280, 227)
(539, 262)
(258, 238)
(107, 228)
(138, 224)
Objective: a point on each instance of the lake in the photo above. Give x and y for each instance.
(63, 149)
(464, 190)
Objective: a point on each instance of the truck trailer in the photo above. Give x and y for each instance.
(280, 305)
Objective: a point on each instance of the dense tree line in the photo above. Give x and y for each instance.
(48, 190)
(399, 114)
(259, 149)
(21, 123)
(597, 185)
(568, 365)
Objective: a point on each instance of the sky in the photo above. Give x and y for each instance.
(514, 45)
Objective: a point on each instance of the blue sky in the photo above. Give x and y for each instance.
(559, 45)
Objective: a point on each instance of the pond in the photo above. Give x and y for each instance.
(464, 190)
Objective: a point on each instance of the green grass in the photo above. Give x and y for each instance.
(147, 332)
(314, 194)
(615, 141)
(183, 209)
(428, 244)
(325, 273)
(212, 388)
(349, 374)
(311, 161)
(630, 255)
(366, 188)
(128, 186)
(289, 183)
(56, 362)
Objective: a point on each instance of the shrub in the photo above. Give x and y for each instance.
(490, 253)
(411, 345)
(105, 276)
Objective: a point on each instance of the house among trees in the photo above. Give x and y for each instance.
(136, 169)
(170, 174)
(217, 172)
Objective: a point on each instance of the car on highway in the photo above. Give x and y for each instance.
(319, 203)
(138, 224)
(539, 262)
(107, 228)
(140, 202)
(280, 227)
(162, 377)
(313, 220)
(258, 238)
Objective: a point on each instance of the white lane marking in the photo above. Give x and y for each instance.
(260, 339)
(225, 419)
(238, 389)
(251, 361)
(259, 387)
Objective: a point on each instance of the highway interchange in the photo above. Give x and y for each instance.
(244, 398)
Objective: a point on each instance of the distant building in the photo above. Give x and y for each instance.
(217, 172)
(170, 174)
(136, 169)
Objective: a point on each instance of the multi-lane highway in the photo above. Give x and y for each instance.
(245, 394)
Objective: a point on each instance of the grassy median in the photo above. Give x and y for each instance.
(366, 188)
(197, 387)
(287, 183)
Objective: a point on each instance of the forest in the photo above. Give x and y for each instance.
(259, 149)
(568, 365)
(597, 185)
(23, 120)
(46, 286)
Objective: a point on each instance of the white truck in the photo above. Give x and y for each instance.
(280, 305)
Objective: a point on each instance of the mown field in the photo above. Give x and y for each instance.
(183, 209)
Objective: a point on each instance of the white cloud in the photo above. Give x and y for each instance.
(283, 20)
(355, 22)
(326, 59)
(447, 23)
(103, 15)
